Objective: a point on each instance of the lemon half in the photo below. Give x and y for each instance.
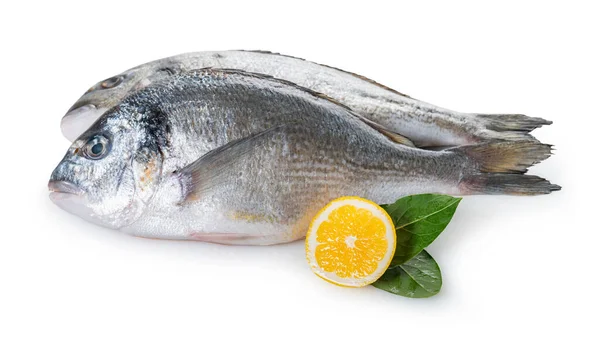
(351, 242)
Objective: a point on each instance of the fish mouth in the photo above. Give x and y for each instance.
(78, 119)
(64, 187)
(71, 198)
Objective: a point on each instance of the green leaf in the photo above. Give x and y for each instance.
(419, 219)
(417, 278)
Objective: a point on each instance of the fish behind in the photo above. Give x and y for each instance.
(424, 124)
(235, 157)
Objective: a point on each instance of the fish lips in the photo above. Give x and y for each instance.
(78, 119)
(67, 196)
(62, 187)
(71, 198)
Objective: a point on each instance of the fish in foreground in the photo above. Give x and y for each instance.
(423, 124)
(234, 157)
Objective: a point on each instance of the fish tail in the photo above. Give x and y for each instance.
(506, 184)
(499, 167)
(511, 127)
(505, 156)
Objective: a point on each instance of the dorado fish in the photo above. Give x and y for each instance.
(234, 157)
(424, 124)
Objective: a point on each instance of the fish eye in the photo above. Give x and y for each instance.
(97, 147)
(112, 82)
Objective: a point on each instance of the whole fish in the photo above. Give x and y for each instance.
(424, 124)
(239, 158)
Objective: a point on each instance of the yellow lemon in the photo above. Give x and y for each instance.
(351, 242)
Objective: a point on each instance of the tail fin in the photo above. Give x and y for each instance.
(520, 123)
(499, 168)
(506, 156)
(507, 184)
(510, 127)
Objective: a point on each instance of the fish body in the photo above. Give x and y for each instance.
(238, 158)
(424, 124)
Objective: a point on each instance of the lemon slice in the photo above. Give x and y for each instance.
(351, 242)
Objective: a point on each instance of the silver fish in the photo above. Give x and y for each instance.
(424, 124)
(234, 157)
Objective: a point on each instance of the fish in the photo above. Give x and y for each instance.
(233, 157)
(425, 125)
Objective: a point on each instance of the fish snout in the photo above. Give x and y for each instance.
(71, 198)
(64, 191)
(62, 186)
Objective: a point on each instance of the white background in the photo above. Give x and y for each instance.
(515, 269)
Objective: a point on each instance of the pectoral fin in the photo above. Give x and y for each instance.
(395, 137)
(215, 167)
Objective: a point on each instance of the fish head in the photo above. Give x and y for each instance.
(109, 172)
(110, 92)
